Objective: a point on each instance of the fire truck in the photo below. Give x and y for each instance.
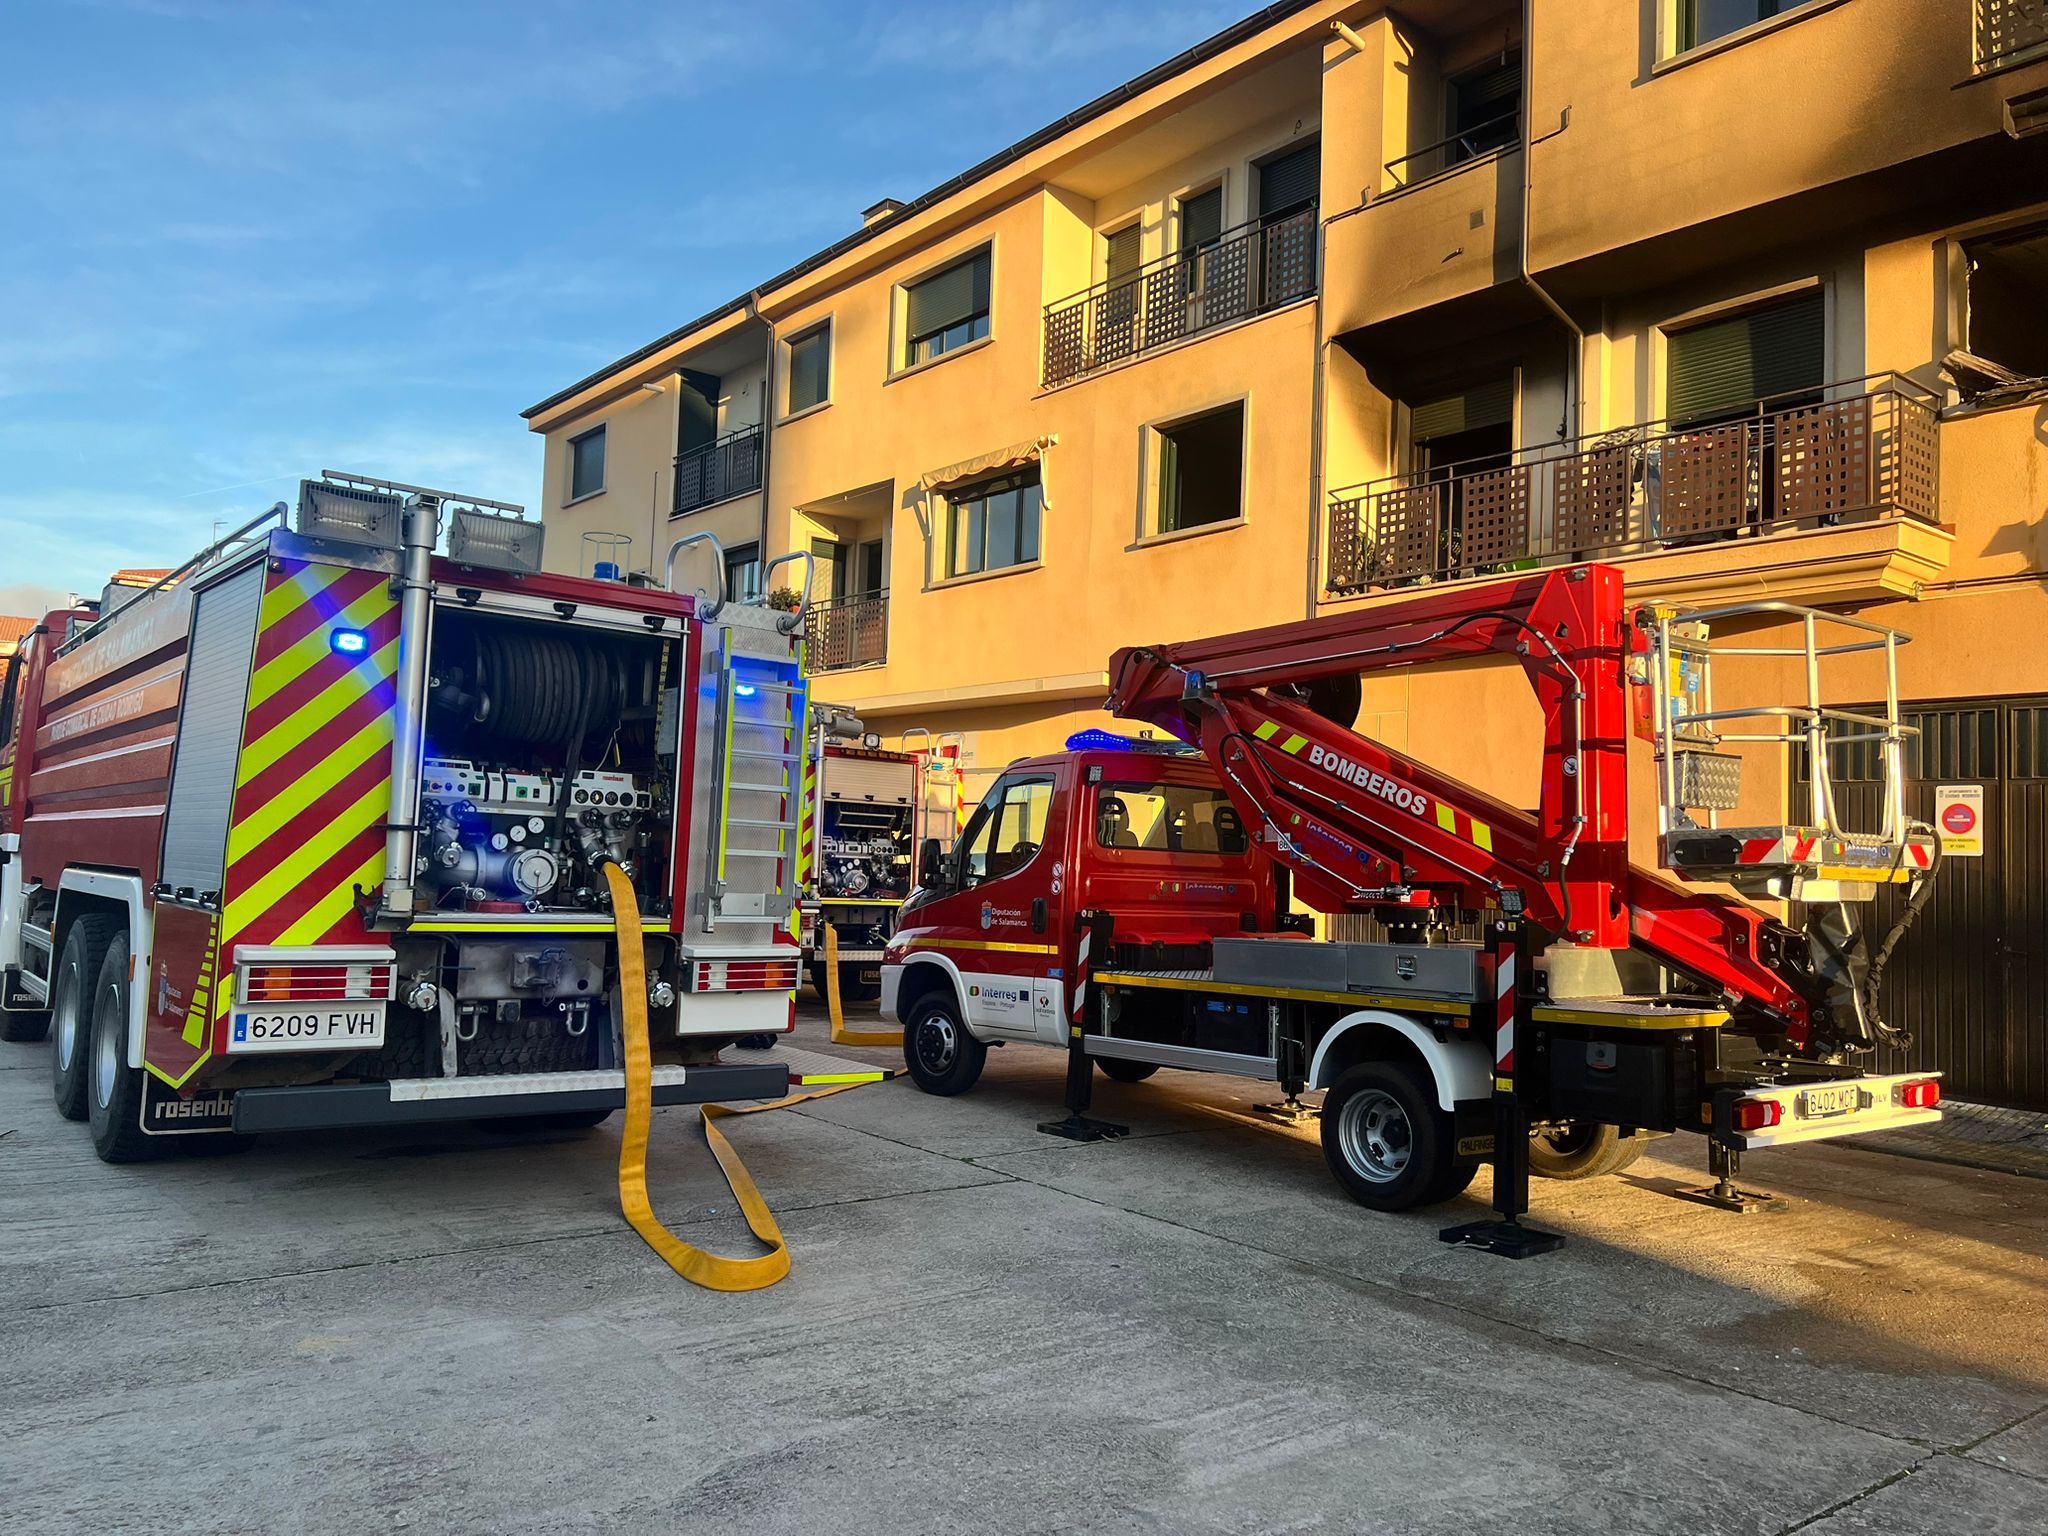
(866, 810)
(1536, 1000)
(318, 830)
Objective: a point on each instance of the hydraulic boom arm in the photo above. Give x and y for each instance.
(1363, 828)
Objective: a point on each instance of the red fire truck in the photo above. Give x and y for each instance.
(313, 831)
(1538, 1000)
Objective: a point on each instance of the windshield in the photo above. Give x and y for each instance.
(1168, 818)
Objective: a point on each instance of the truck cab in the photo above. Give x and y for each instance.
(988, 948)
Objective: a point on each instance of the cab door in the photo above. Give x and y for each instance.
(994, 918)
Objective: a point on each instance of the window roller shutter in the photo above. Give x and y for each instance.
(1491, 404)
(946, 298)
(1122, 254)
(1728, 364)
(1201, 219)
(1290, 182)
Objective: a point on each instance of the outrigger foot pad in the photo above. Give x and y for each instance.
(1510, 1239)
(1293, 1112)
(1726, 1197)
(1083, 1128)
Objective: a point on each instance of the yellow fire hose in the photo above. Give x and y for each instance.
(710, 1270)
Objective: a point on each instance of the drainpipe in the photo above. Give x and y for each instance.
(415, 584)
(1317, 530)
(1575, 363)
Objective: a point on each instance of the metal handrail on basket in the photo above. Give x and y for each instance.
(219, 549)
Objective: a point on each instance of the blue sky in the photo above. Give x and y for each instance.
(244, 240)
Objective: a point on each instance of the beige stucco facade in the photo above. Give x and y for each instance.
(1849, 151)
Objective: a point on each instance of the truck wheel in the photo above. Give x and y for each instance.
(1386, 1140)
(851, 988)
(78, 971)
(1116, 1069)
(114, 1102)
(1582, 1149)
(942, 1057)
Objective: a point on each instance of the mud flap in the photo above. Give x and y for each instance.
(166, 1112)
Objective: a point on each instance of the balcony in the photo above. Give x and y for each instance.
(1864, 452)
(847, 632)
(2009, 31)
(1246, 271)
(729, 467)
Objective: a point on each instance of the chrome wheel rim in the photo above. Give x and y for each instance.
(66, 1021)
(938, 1042)
(1376, 1135)
(106, 1056)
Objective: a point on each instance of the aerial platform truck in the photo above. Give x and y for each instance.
(1138, 904)
(324, 829)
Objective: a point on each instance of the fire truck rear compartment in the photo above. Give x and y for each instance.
(548, 748)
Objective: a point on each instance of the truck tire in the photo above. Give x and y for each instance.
(939, 1053)
(1116, 1069)
(114, 1099)
(851, 988)
(536, 1043)
(1386, 1141)
(1583, 1149)
(71, 1004)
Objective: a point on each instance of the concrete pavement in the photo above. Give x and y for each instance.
(987, 1329)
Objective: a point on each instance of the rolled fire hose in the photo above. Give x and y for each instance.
(712, 1271)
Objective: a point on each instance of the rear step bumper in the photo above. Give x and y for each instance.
(417, 1101)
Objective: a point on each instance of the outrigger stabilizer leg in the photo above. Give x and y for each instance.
(1079, 1125)
(1725, 1163)
(1507, 1236)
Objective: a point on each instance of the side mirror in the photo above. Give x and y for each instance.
(931, 860)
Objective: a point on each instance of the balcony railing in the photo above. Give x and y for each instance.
(1503, 132)
(2007, 30)
(847, 632)
(1855, 451)
(1247, 271)
(729, 467)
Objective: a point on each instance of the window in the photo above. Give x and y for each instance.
(810, 369)
(1170, 818)
(743, 573)
(993, 524)
(1006, 832)
(586, 464)
(947, 310)
(1482, 110)
(1721, 369)
(2008, 322)
(1702, 21)
(1289, 183)
(1201, 220)
(1122, 253)
(1201, 471)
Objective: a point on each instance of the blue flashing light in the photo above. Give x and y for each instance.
(1094, 739)
(348, 642)
(744, 690)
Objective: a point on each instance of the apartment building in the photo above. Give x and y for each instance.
(1742, 295)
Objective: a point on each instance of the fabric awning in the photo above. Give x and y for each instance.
(985, 464)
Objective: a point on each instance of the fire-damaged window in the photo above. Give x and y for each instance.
(1168, 818)
(2008, 318)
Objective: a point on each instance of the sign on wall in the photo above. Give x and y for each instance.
(1959, 813)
